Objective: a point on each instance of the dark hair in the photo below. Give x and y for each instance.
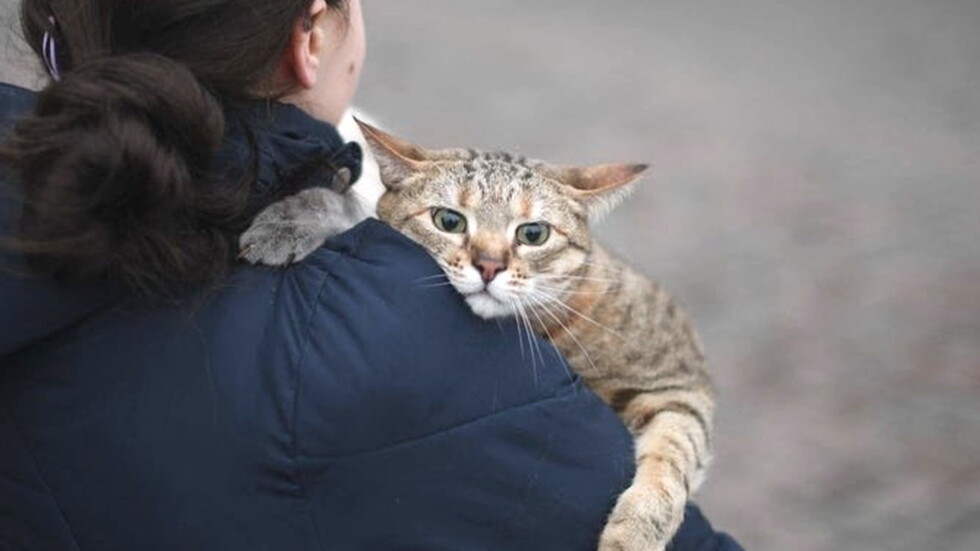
(113, 165)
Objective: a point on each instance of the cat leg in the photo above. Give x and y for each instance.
(289, 230)
(672, 431)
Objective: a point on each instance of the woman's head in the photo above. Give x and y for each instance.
(113, 168)
(322, 67)
(234, 48)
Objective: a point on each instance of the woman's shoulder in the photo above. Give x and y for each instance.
(462, 429)
(387, 330)
(350, 379)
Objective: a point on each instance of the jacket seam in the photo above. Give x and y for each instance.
(298, 468)
(294, 420)
(327, 273)
(572, 391)
(40, 479)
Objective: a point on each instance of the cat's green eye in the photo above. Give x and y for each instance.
(449, 220)
(534, 234)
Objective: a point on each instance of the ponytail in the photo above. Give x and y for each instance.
(113, 166)
(113, 173)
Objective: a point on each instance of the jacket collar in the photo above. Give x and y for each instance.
(283, 150)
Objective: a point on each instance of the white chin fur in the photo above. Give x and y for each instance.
(488, 307)
(480, 297)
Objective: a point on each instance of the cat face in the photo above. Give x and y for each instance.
(509, 233)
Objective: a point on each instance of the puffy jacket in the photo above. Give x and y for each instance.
(338, 404)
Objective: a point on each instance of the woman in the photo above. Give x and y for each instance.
(154, 395)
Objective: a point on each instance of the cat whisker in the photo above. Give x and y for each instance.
(564, 275)
(529, 332)
(558, 291)
(561, 357)
(437, 285)
(535, 343)
(433, 276)
(568, 331)
(520, 335)
(568, 308)
(534, 334)
(575, 278)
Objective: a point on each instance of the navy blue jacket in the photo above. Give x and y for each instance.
(338, 404)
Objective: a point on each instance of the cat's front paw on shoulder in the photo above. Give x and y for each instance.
(641, 521)
(278, 243)
(289, 230)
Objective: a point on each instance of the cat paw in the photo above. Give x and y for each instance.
(278, 243)
(289, 230)
(641, 521)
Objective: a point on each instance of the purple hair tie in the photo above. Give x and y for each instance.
(48, 50)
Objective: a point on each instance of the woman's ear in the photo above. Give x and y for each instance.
(306, 46)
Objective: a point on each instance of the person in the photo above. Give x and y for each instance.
(155, 394)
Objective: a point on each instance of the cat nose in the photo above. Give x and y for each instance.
(489, 268)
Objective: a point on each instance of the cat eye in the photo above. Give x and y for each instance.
(449, 220)
(534, 234)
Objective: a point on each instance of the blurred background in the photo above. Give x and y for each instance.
(814, 201)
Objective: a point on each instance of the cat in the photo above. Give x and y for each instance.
(512, 236)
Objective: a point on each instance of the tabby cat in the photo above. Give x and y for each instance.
(512, 236)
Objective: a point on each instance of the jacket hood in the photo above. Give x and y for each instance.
(277, 146)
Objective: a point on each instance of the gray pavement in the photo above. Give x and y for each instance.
(814, 201)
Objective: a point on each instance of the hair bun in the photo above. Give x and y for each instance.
(113, 169)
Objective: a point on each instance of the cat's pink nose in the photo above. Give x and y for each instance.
(489, 268)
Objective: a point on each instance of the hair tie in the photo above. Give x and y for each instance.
(48, 50)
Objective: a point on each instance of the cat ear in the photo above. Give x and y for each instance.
(397, 159)
(601, 187)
